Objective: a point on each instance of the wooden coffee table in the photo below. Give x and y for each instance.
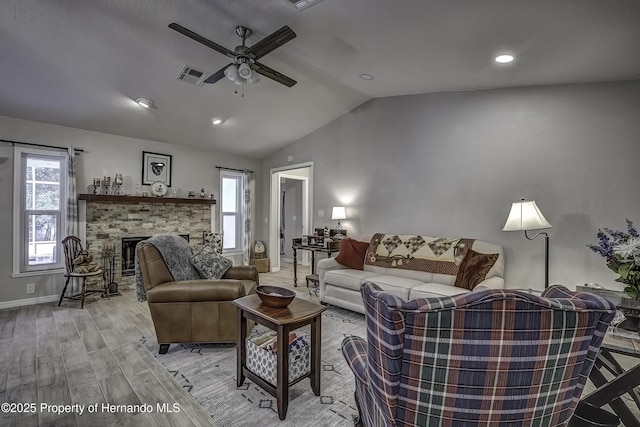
(282, 320)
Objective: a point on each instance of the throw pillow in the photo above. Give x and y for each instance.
(213, 239)
(474, 269)
(210, 264)
(352, 253)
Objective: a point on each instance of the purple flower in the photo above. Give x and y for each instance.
(608, 238)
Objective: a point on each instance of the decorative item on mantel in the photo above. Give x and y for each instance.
(118, 181)
(96, 185)
(622, 253)
(106, 185)
(202, 193)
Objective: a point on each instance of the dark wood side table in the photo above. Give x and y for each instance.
(282, 320)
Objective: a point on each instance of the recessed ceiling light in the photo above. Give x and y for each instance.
(365, 76)
(215, 121)
(504, 59)
(145, 102)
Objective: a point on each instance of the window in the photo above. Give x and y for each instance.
(231, 210)
(39, 209)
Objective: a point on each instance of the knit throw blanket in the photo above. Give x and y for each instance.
(177, 255)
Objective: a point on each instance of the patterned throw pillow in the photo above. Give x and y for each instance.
(474, 269)
(215, 240)
(210, 264)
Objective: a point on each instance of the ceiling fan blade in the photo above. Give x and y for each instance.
(197, 37)
(274, 75)
(271, 42)
(218, 75)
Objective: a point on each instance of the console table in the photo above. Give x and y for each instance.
(327, 248)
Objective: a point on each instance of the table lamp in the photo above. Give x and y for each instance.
(525, 216)
(339, 212)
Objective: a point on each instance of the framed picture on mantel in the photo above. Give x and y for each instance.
(156, 167)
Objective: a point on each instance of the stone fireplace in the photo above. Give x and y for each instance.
(114, 220)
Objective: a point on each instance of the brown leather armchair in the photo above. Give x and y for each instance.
(192, 311)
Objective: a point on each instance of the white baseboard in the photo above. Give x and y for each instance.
(29, 301)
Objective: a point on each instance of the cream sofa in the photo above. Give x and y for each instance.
(409, 266)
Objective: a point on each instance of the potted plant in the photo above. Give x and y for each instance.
(621, 250)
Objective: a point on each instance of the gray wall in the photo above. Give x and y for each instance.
(105, 155)
(292, 208)
(452, 164)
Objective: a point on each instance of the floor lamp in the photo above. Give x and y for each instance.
(525, 216)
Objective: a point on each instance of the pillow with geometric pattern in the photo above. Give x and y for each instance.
(474, 269)
(210, 264)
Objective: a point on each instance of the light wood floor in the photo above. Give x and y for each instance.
(67, 355)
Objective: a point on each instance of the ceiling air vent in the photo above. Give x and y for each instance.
(191, 76)
(303, 4)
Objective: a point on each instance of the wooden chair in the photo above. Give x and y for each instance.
(72, 247)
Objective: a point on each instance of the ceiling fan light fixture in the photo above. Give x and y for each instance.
(231, 72)
(145, 102)
(244, 70)
(255, 78)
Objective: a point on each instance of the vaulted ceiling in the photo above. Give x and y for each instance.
(82, 63)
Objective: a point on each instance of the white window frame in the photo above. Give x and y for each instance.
(20, 214)
(237, 176)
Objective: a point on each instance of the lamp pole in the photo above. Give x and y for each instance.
(546, 255)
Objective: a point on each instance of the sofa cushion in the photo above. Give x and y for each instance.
(435, 289)
(348, 278)
(210, 264)
(474, 269)
(352, 253)
(399, 286)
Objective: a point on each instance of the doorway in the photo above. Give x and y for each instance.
(290, 211)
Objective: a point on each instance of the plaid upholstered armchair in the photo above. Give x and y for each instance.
(492, 358)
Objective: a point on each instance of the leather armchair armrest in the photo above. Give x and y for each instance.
(354, 350)
(245, 272)
(196, 291)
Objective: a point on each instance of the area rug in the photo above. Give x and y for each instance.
(208, 373)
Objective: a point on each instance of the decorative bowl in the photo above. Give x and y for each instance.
(274, 296)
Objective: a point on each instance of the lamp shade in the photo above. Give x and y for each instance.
(339, 212)
(525, 215)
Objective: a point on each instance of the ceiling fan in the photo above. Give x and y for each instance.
(245, 59)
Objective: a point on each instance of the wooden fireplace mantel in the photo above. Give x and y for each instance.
(141, 199)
